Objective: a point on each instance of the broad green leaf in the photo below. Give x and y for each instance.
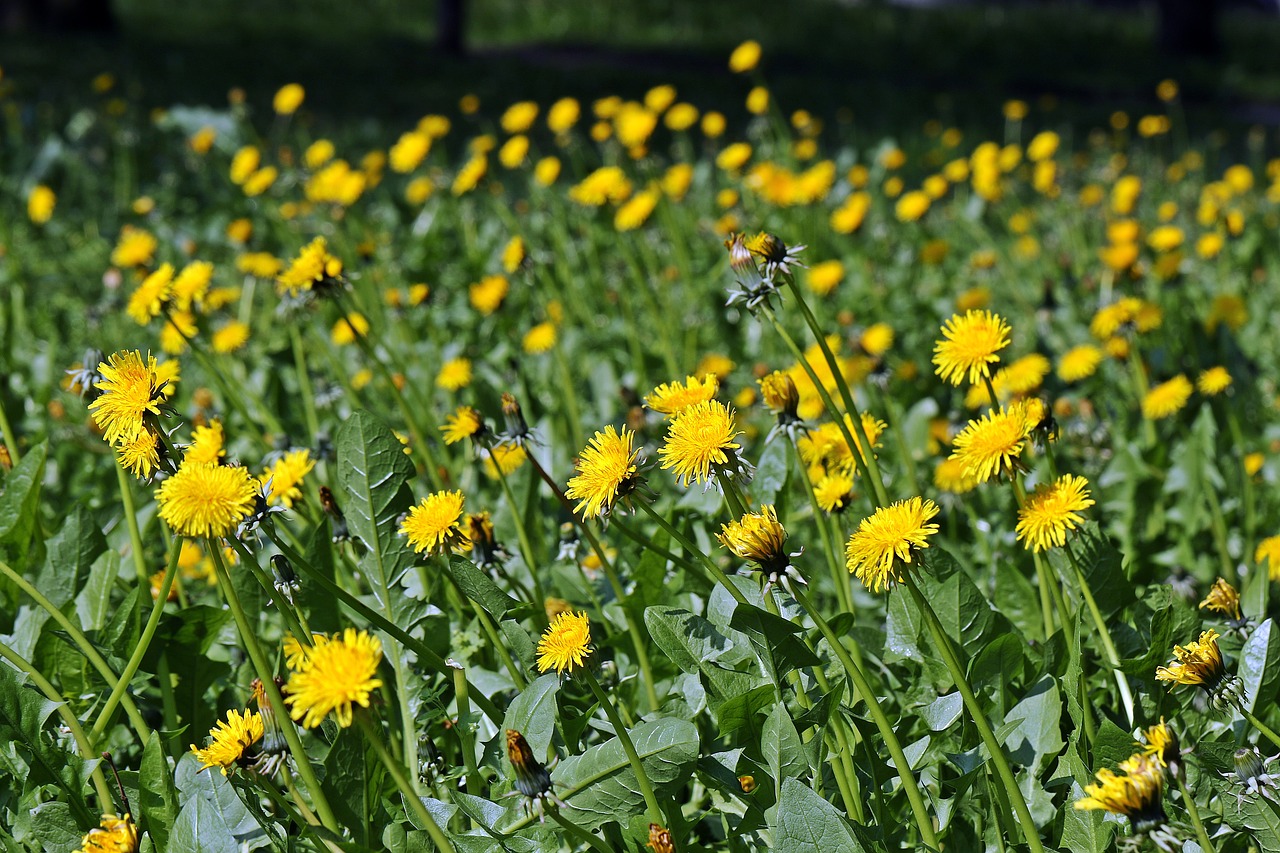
(20, 499)
(480, 588)
(743, 711)
(780, 742)
(533, 714)
(1085, 831)
(1111, 745)
(321, 608)
(158, 799)
(943, 712)
(806, 823)
(71, 553)
(200, 828)
(696, 645)
(1259, 816)
(599, 785)
(348, 786)
(219, 806)
(771, 471)
(1260, 665)
(1038, 735)
(774, 641)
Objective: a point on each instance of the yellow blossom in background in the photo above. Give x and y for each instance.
(454, 374)
(876, 339)
(191, 284)
(409, 151)
(681, 117)
(952, 476)
(1167, 398)
(911, 206)
(539, 339)
(313, 265)
(546, 171)
(470, 175)
(1213, 381)
(40, 204)
(637, 209)
(606, 185)
(849, 217)
(513, 152)
(1253, 463)
(1079, 362)
(677, 180)
(260, 181)
(207, 445)
(488, 294)
(758, 100)
(713, 125)
(348, 329)
(1268, 553)
(563, 115)
(503, 459)
(318, 153)
(259, 264)
(519, 117)
(1227, 310)
(151, 295)
(745, 57)
(1052, 511)
(244, 163)
(734, 156)
(285, 475)
(288, 99)
(201, 142)
(134, 248)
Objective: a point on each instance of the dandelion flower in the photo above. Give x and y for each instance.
(455, 374)
(336, 673)
(206, 447)
(1167, 398)
(539, 339)
(148, 300)
(464, 423)
(670, 398)
(230, 337)
(230, 740)
(314, 266)
(607, 472)
(565, 644)
(700, 439)
(1213, 381)
(348, 329)
(135, 248)
(745, 57)
(435, 524)
(40, 204)
(757, 537)
(992, 445)
(1160, 742)
(951, 476)
(288, 98)
(1224, 599)
(1079, 363)
(191, 285)
(887, 539)
(285, 475)
(1200, 664)
(1269, 550)
(140, 454)
(834, 492)
(112, 835)
(203, 500)
(502, 459)
(130, 388)
(969, 345)
(1137, 794)
(1052, 511)
(488, 294)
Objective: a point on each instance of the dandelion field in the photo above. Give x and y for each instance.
(623, 474)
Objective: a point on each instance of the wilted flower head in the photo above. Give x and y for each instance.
(1161, 743)
(1224, 599)
(1138, 794)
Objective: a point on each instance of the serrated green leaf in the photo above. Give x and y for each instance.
(599, 785)
(1260, 665)
(533, 714)
(71, 553)
(158, 798)
(695, 645)
(21, 497)
(480, 588)
(23, 712)
(780, 742)
(806, 823)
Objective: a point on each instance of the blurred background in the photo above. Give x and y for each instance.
(887, 65)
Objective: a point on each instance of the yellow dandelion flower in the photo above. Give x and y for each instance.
(539, 339)
(130, 389)
(285, 475)
(191, 285)
(1138, 794)
(1213, 381)
(1167, 398)
(206, 446)
(1224, 599)
(779, 392)
(887, 539)
(1200, 664)
(700, 439)
(464, 423)
(203, 500)
(566, 643)
(519, 117)
(503, 459)
(992, 445)
(745, 57)
(112, 835)
(834, 492)
(40, 204)
(140, 454)
(1079, 363)
(757, 536)
(1052, 511)
(969, 346)
(671, 398)
(150, 297)
(470, 175)
(179, 328)
(1268, 551)
(823, 277)
(259, 264)
(314, 265)
(489, 293)
(288, 98)
(455, 374)
(607, 472)
(348, 329)
(1253, 463)
(876, 339)
(134, 248)
(230, 337)
(230, 740)
(338, 673)
(563, 115)
(434, 525)
(952, 476)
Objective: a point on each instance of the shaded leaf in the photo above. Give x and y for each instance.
(806, 823)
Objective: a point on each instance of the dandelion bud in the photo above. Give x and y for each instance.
(660, 839)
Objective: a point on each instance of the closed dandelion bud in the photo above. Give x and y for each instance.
(758, 537)
(273, 749)
(753, 289)
(517, 431)
(660, 839)
(286, 579)
(485, 550)
(339, 521)
(780, 393)
(532, 781)
(1252, 777)
(747, 783)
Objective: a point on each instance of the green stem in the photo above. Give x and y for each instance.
(304, 383)
(10, 440)
(83, 743)
(425, 654)
(859, 680)
(855, 449)
(250, 639)
(1261, 727)
(144, 642)
(642, 778)
(299, 630)
(839, 577)
(1029, 831)
(1219, 527)
(691, 548)
(850, 405)
(490, 631)
(465, 733)
(895, 426)
(412, 801)
(86, 648)
(131, 521)
(1140, 385)
(526, 545)
(1104, 635)
(1194, 812)
(577, 832)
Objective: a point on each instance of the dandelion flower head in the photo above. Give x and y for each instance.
(565, 644)
(336, 673)
(887, 539)
(969, 346)
(607, 471)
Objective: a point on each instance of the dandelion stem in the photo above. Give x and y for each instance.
(10, 440)
(577, 832)
(135, 661)
(692, 548)
(465, 734)
(633, 758)
(1218, 525)
(859, 680)
(412, 801)
(83, 743)
(890, 409)
(1029, 830)
(1142, 387)
(131, 521)
(855, 449)
(1104, 634)
(299, 630)
(1194, 812)
(265, 674)
(82, 643)
(304, 383)
(850, 405)
(839, 577)
(1260, 726)
(526, 545)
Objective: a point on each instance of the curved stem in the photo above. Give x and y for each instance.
(131, 521)
(576, 832)
(633, 758)
(86, 648)
(691, 548)
(1261, 727)
(144, 642)
(87, 751)
(1030, 833)
(1104, 635)
(267, 676)
(859, 681)
(1194, 812)
(412, 801)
